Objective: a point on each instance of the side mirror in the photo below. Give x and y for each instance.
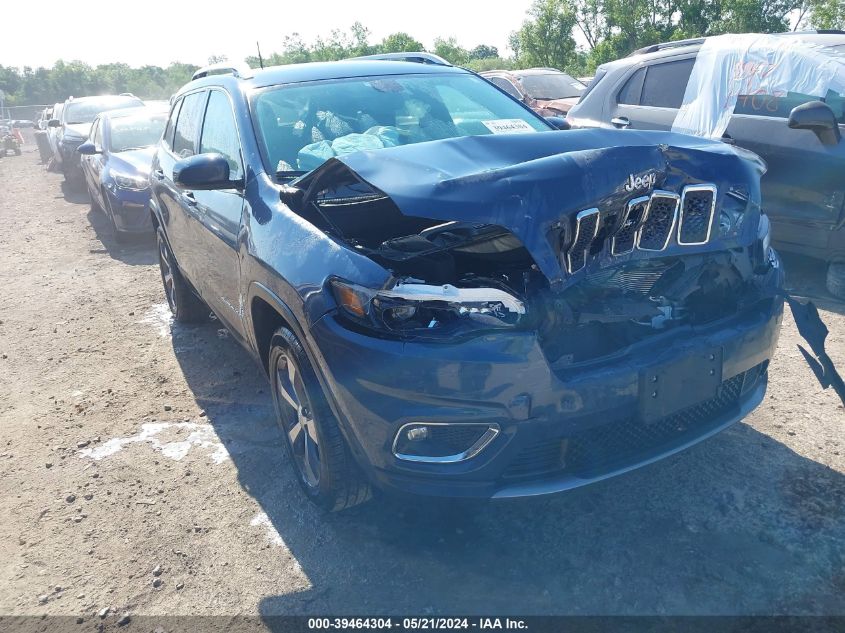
(558, 122)
(54, 123)
(817, 117)
(203, 171)
(88, 149)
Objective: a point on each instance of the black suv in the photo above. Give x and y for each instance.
(450, 296)
(782, 96)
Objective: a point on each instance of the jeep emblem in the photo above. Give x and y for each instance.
(640, 182)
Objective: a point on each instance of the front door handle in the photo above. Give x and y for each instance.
(189, 198)
(620, 122)
(158, 174)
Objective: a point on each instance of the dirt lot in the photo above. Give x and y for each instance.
(130, 444)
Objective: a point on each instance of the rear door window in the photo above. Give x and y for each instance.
(188, 124)
(665, 84)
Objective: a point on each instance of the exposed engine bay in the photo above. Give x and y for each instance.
(656, 251)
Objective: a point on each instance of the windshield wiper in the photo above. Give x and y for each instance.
(289, 174)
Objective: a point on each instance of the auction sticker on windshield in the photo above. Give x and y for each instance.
(508, 126)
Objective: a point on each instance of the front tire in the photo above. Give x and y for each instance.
(184, 304)
(324, 466)
(836, 279)
(119, 236)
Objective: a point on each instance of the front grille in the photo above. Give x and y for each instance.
(657, 228)
(586, 228)
(623, 241)
(604, 448)
(698, 204)
(648, 223)
(639, 279)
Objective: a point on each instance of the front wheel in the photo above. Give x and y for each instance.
(836, 279)
(118, 235)
(324, 466)
(184, 304)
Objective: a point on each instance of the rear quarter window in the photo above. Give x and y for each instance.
(630, 92)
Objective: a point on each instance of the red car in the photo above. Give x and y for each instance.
(547, 91)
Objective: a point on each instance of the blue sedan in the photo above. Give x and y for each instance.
(116, 162)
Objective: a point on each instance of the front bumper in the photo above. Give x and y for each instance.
(559, 428)
(70, 158)
(130, 210)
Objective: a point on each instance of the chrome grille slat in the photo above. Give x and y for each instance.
(648, 224)
(698, 206)
(625, 238)
(659, 222)
(586, 229)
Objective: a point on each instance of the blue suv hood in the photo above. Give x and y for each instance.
(531, 183)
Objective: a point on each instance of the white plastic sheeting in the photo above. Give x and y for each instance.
(751, 65)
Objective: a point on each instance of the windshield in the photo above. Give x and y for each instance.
(552, 86)
(86, 111)
(135, 132)
(302, 126)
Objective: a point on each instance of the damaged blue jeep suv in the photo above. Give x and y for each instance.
(451, 297)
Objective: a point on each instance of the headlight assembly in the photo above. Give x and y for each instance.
(421, 309)
(734, 209)
(131, 182)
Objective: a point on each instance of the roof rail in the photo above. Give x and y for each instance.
(240, 71)
(415, 57)
(653, 48)
(700, 40)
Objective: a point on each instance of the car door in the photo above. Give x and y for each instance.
(652, 94)
(95, 163)
(86, 160)
(802, 190)
(219, 212)
(178, 206)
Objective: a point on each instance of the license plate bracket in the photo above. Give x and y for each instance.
(668, 388)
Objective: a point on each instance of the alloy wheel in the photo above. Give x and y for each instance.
(298, 418)
(167, 273)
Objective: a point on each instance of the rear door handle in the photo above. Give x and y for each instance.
(158, 174)
(727, 138)
(620, 121)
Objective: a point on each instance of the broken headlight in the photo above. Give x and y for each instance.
(422, 309)
(733, 211)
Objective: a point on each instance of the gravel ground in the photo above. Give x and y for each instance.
(141, 471)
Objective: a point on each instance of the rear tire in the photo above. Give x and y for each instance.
(836, 279)
(184, 304)
(322, 461)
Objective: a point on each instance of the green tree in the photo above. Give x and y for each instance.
(400, 43)
(483, 51)
(451, 51)
(545, 38)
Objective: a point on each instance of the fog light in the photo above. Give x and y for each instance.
(442, 442)
(417, 433)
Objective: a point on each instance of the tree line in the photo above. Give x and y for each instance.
(573, 35)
